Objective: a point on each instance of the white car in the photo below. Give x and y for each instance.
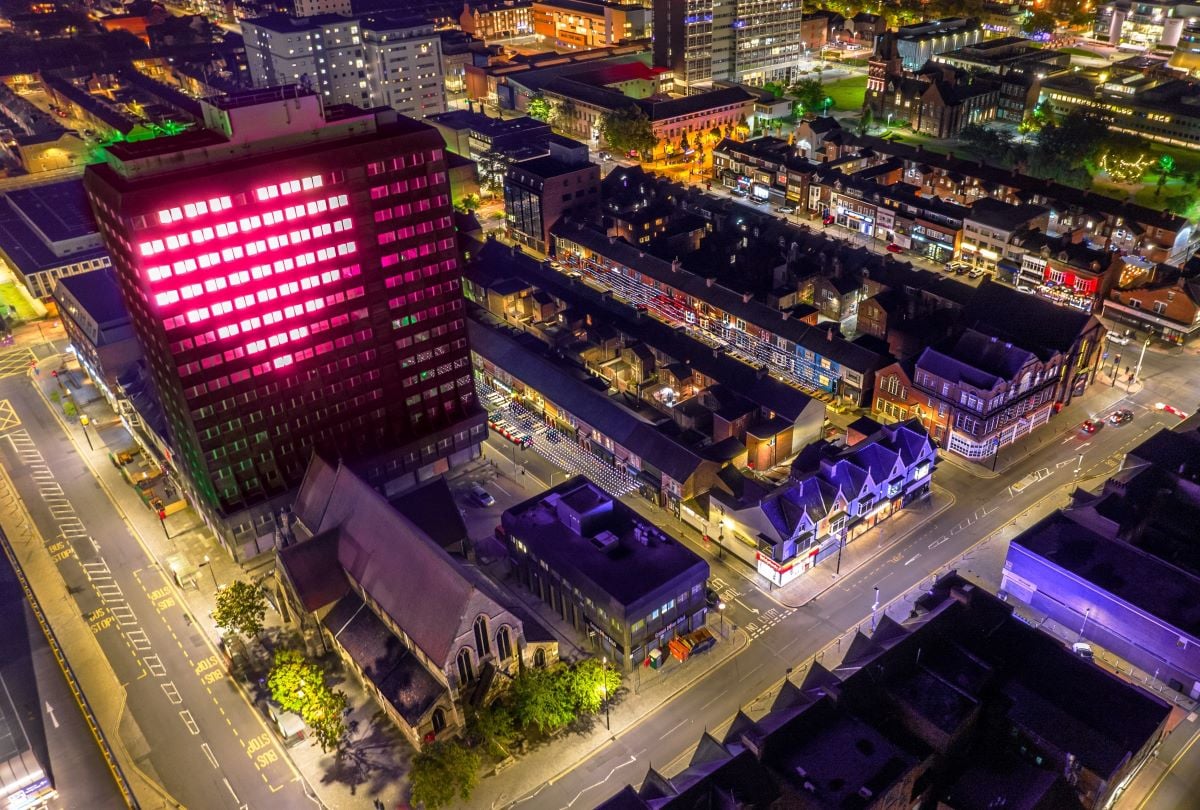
(481, 496)
(1118, 338)
(1025, 288)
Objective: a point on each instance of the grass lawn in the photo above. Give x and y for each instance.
(10, 295)
(847, 94)
(1081, 52)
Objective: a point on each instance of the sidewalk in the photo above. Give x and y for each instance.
(378, 757)
(1093, 403)
(864, 549)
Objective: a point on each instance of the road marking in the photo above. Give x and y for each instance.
(186, 717)
(172, 693)
(672, 728)
(912, 558)
(211, 756)
(231, 793)
(50, 711)
(138, 639)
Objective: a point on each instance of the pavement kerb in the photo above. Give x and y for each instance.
(69, 624)
(951, 499)
(882, 611)
(743, 641)
(966, 466)
(180, 595)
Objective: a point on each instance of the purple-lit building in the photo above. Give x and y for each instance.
(1122, 565)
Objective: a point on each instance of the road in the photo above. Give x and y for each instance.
(987, 512)
(205, 743)
(46, 710)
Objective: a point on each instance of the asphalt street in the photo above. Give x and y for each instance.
(203, 741)
(1035, 478)
(46, 711)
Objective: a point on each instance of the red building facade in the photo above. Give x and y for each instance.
(293, 274)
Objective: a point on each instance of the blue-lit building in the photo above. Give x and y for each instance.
(1121, 566)
(833, 495)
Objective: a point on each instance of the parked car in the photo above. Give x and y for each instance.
(1025, 288)
(1083, 650)
(1090, 426)
(1121, 416)
(605, 155)
(481, 496)
(974, 274)
(894, 248)
(1118, 338)
(787, 209)
(737, 192)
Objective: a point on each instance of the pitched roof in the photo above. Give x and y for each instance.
(1026, 320)
(396, 563)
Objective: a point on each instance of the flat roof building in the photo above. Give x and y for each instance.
(271, 264)
(48, 232)
(606, 570)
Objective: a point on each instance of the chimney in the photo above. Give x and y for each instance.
(710, 281)
(829, 334)
(746, 298)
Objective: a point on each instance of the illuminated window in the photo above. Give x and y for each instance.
(214, 284)
(191, 290)
(168, 297)
(158, 273)
(174, 242)
(197, 315)
(151, 247)
(169, 215)
(240, 277)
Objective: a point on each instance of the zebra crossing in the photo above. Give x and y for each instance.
(559, 450)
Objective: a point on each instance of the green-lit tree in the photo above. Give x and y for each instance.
(629, 129)
(240, 608)
(588, 683)
(1166, 168)
(298, 685)
(538, 700)
(492, 728)
(442, 772)
(810, 94)
(540, 108)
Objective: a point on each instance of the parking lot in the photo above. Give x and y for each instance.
(527, 432)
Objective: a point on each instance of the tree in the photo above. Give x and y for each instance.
(441, 772)
(538, 700)
(492, 727)
(810, 94)
(865, 122)
(298, 685)
(1124, 159)
(491, 168)
(629, 129)
(684, 144)
(241, 607)
(540, 108)
(1039, 23)
(588, 683)
(1166, 167)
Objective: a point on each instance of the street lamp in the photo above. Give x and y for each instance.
(827, 102)
(208, 562)
(83, 423)
(1138, 368)
(604, 683)
(721, 613)
(1086, 614)
(874, 608)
